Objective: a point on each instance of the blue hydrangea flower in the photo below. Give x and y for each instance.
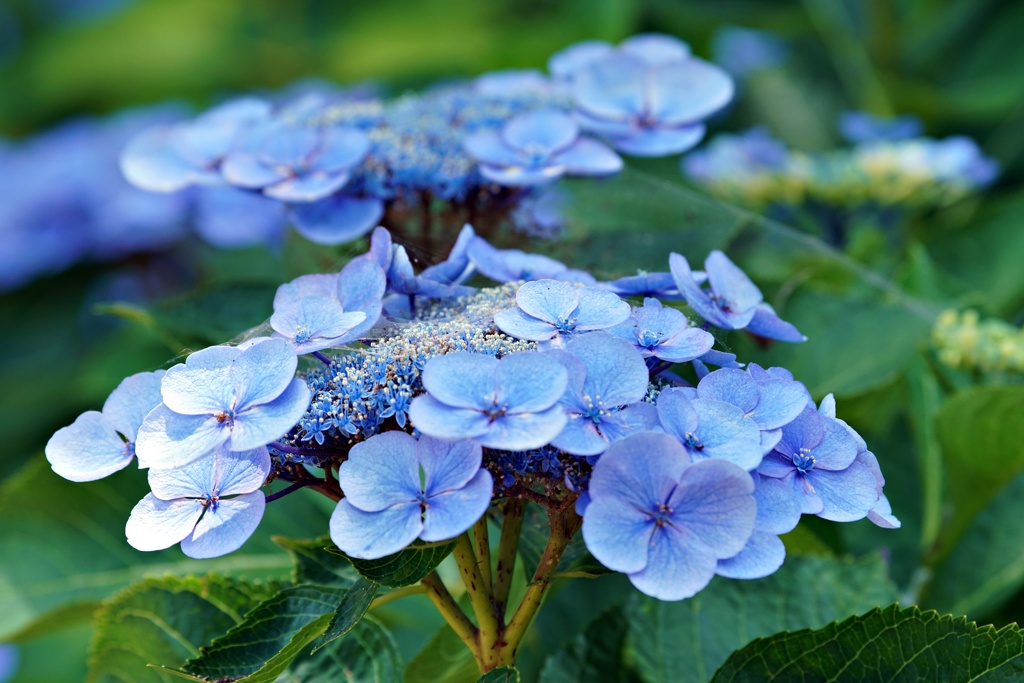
(458, 267)
(243, 398)
(653, 49)
(101, 443)
(513, 265)
(817, 459)
(294, 163)
(658, 285)
(860, 126)
(191, 504)
(231, 218)
(647, 109)
(732, 302)
(736, 155)
(398, 489)
(710, 429)
(778, 512)
(170, 158)
(607, 382)
(316, 312)
(401, 277)
(512, 81)
(549, 310)
(745, 51)
(538, 147)
(510, 404)
(663, 333)
(664, 521)
(337, 219)
(565, 63)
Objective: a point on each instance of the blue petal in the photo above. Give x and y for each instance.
(290, 146)
(838, 447)
(881, 515)
(462, 379)
(246, 171)
(540, 131)
(847, 495)
(616, 374)
(778, 510)
(242, 471)
(447, 465)
(319, 323)
(521, 176)
(380, 472)
(308, 187)
(688, 91)
(261, 372)
(762, 556)
(157, 524)
(360, 287)
(732, 283)
(727, 434)
(337, 219)
(598, 309)
(641, 470)
(732, 386)
(687, 345)
(154, 161)
(659, 142)
(320, 285)
(611, 88)
(133, 398)
(767, 323)
(580, 437)
(781, 402)
(524, 431)
(168, 439)
(457, 268)
(88, 449)
(655, 48)
(341, 149)
(806, 430)
(487, 147)
(508, 265)
(714, 503)
(227, 217)
(515, 323)
(549, 300)
(677, 567)
(202, 384)
(453, 511)
(442, 421)
(566, 62)
(529, 382)
(372, 535)
(688, 287)
(260, 424)
(617, 533)
(224, 528)
(676, 413)
(639, 417)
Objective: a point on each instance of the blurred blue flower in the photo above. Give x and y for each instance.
(647, 109)
(538, 147)
(242, 397)
(708, 428)
(230, 218)
(733, 302)
(607, 382)
(663, 333)
(513, 265)
(190, 504)
(664, 521)
(860, 126)
(817, 459)
(337, 219)
(509, 403)
(653, 49)
(458, 267)
(97, 444)
(744, 51)
(736, 155)
(659, 285)
(550, 310)
(398, 489)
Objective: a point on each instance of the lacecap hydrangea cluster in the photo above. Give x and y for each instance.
(889, 163)
(334, 164)
(423, 400)
(963, 340)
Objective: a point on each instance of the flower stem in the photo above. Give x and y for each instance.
(451, 612)
(483, 551)
(479, 596)
(285, 491)
(507, 546)
(399, 593)
(321, 357)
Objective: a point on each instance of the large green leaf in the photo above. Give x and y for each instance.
(594, 656)
(63, 543)
(353, 606)
(982, 439)
(405, 567)
(444, 659)
(987, 566)
(165, 621)
(315, 564)
(505, 674)
(684, 642)
(272, 634)
(368, 654)
(890, 644)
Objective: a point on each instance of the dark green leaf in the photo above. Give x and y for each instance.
(405, 567)
(594, 656)
(987, 566)
(164, 622)
(272, 634)
(982, 439)
(353, 606)
(218, 313)
(368, 654)
(318, 562)
(925, 398)
(503, 675)
(684, 642)
(889, 644)
(445, 659)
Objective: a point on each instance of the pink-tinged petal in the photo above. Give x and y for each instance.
(157, 524)
(762, 556)
(202, 384)
(461, 379)
(372, 535)
(442, 421)
(168, 439)
(259, 425)
(676, 569)
(450, 513)
(262, 372)
(225, 527)
(380, 472)
(87, 449)
(529, 382)
(447, 465)
(524, 431)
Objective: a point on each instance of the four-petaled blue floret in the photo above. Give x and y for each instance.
(555, 311)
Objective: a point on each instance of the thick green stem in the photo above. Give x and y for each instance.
(479, 597)
(483, 551)
(507, 550)
(397, 594)
(452, 614)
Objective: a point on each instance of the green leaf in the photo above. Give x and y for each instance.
(164, 622)
(67, 546)
(353, 606)
(684, 642)
(987, 566)
(594, 656)
(368, 654)
(217, 313)
(505, 674)
(445, 659)
(405, 567)
(318, 562)
(58, 619)
(982, 439)
(272, 634)
(889, 644)
(925, 399)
